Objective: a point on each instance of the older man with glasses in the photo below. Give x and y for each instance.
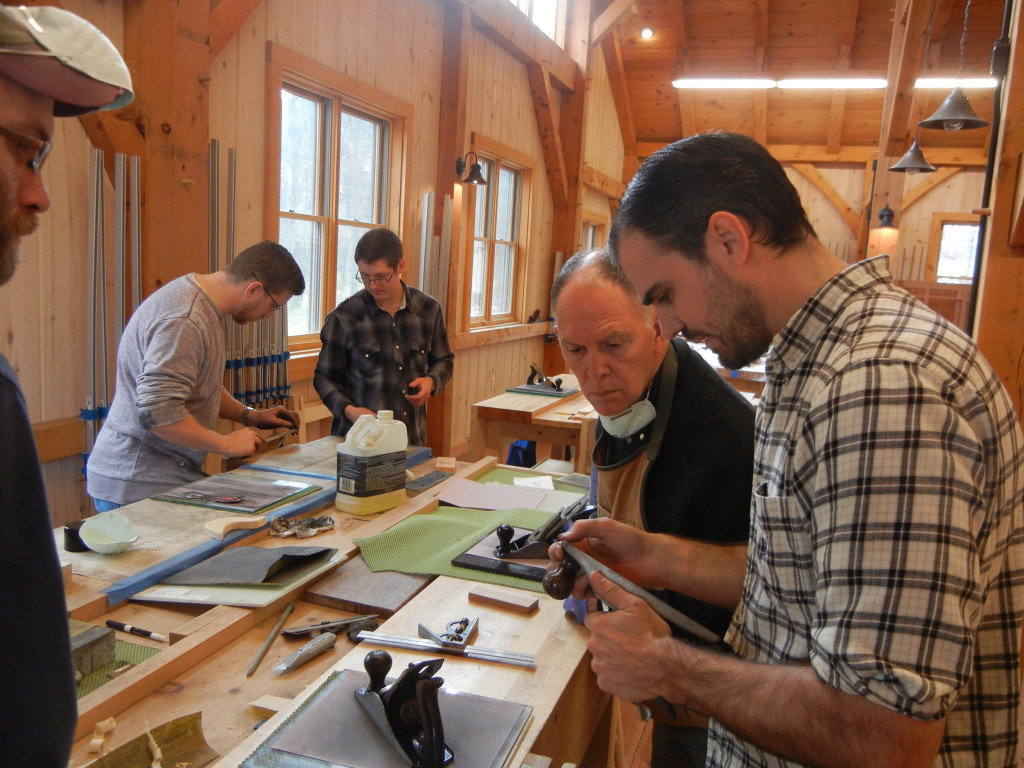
(170, 369)
(384, 348)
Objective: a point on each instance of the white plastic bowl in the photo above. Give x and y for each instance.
(108, 533)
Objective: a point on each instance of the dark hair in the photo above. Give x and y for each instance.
(379, 244)
(600, 266)
(271, 264)
(675, 192)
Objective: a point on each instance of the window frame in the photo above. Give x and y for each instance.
(503, 157)
(288, 69)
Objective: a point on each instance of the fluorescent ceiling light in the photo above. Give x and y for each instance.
(833, 83)
(945, 83)
(723, 82)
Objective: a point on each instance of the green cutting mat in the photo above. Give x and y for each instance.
(124, 653)
(506, 477)
(425, 544)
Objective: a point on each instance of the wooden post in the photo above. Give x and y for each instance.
(172, 103)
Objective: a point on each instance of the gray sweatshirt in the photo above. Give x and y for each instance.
(170, 363)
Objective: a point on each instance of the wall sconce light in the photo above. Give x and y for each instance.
(955, 112)
(476, 175)
(883, 238)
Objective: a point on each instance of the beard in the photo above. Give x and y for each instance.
(744, 335)
(14, 225)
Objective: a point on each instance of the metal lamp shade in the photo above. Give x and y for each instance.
(913, 162)
(954, 113)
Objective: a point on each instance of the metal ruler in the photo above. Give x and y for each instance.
(470, 652)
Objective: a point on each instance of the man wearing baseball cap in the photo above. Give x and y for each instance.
(52, 64)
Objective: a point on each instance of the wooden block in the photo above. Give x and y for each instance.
(91, 647)
(445, 462)
(355, 588)
(193, 625)
(520, 602)
(65, 569)
(268, 706)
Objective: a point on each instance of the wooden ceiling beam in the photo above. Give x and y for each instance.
(620, 91)
(906, 58)
(226, 18)
(603, 25)
(501, 21)
(837, 110)
(550, 141)
(601, 182)
(684, 96)
(809, 153)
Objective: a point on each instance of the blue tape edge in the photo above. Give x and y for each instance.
(124, 589)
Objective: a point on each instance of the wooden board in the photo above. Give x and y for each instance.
(355, 588)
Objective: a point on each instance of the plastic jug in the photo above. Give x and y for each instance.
(371, 465)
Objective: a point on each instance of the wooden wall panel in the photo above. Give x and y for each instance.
(602, 143)
(488, 371)
(44, 308)
(960, 193)
(832, 229)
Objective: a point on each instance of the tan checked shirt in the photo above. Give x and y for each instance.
(887, 540)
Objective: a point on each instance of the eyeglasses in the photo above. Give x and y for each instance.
(29, 149)
(366, 280)
(277, 307)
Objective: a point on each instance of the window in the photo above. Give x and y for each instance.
(335, 179)
(952, 248)
(588, 236)
(497, 210)
(547, 15)
(958, 248)
(592, 230)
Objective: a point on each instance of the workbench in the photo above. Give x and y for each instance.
(205, 667)
(561, 421)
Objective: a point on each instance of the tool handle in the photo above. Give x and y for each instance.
(559, 580)
(270, 638)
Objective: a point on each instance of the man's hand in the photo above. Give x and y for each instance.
(241, 443)
(625, 643)
(623, 548)
(271, 418)
(353, 412)
(419, 390)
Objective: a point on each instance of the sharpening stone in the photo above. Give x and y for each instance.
(91, 647)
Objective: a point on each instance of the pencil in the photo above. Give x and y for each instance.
(270, 638)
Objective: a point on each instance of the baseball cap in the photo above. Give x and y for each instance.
(61, 55)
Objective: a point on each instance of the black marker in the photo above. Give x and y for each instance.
(136, 630)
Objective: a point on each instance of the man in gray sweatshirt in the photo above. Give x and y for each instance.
(170, 369)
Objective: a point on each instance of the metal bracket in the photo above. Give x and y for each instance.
(456, 636)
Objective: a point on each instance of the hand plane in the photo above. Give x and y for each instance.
(534, 546)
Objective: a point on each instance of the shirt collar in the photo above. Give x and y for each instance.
(805, 329)
(372, 305)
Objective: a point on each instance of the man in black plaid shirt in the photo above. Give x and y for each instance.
(385, 347)
(880, 596)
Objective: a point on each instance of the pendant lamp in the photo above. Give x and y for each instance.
(955, 112)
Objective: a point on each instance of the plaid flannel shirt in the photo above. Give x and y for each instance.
(887, 536)
(368, 357)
